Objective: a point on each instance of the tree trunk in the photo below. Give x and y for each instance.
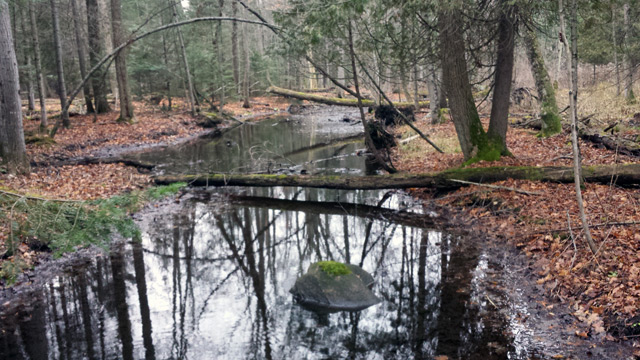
(474, 142)
(28, 72)
(234, 46)
(434, 102)
(77, 26)
(615, 47)
(185, 62)
(12, 147)
(546, 94)
(573, 103)
(124, 95)
(220, 57)
(561, 40)
(499, 121)
(624, 175)
(62, 89)
(334, 101)
(628, 85)
(165, 58)
(39, 77)
(95, 53)
(247, 67)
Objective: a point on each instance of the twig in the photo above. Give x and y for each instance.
(492, 303)
(497, 187)
(573, 240)
(404, 141)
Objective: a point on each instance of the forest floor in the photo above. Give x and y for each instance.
(602, 289)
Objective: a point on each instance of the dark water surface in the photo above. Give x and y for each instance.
(210, 276)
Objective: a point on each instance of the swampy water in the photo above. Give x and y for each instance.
(209, 277)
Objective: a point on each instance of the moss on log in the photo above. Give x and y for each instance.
(622, 174)
(334, 100)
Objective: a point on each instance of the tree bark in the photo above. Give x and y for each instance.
(124, 95)
(77, 26)
(546, 93)
(499, 121)
(95, 53)
(573, 103)
(28, 72)
(334, 101)
(39, 77)
(12, 148)
(614, 40)
(622, 175)
(185, 62)
(628, 85)
(474, 142)
(234, 46)
(434, 103)
(62, 89)
(247, 67)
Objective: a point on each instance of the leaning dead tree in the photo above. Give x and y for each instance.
(620, 174)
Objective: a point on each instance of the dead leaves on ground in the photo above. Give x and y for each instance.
(603, 289)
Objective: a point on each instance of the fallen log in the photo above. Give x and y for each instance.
(609, 141)
(334, 100)
(619, 174)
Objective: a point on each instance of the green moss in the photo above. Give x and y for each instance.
(39, 140)
(334, 268)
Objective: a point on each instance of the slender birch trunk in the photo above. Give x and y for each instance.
(39, 77)
(62, 89)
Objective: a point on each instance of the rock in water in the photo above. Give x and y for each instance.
(330, 286)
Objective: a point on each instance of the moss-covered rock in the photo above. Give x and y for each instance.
(330, 286)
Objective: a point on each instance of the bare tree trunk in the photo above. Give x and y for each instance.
(432, 86)
(77, 26)
(234, 46)
(551, 121)
(12, 147)
(573, 104)
(95, 53)
(628, 86)
(220, 57)
(247, 67)
(28, 72)
(126, 108)
(185, 62)
(165, 58)
(40, 79)
(62, 89)
(562, 40)
(615, 47)
(499, 122)
(107, 42)
(473, 140)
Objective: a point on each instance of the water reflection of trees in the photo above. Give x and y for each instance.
(210, 281)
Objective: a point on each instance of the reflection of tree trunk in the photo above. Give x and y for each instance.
(145, 313)
(120, 298)
(456, 276)
(10, 343)
(54, 312)
(420, 330)
(34, 330)
(86, 314)
(65, 318)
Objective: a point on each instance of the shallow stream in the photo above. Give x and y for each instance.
(210, 276)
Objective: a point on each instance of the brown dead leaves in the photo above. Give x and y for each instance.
(547, 228)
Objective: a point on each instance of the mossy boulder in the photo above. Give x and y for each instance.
(330, 286)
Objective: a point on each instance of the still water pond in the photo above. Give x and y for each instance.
(209, 277)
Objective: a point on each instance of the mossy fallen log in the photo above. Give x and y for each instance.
(334, 100)
(620, 174)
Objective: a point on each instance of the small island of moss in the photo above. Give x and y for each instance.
(334, 268)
